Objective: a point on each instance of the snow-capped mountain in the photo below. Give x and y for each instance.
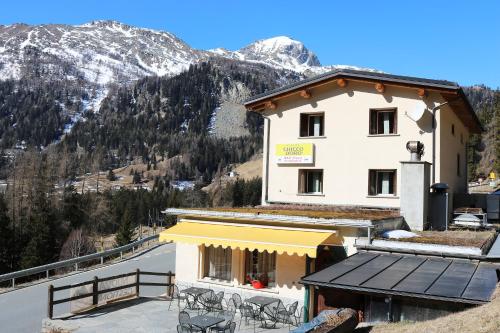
(100, 52)
(281, 52)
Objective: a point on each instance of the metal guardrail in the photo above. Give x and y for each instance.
(73, 261)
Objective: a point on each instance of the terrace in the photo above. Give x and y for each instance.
(142, 314)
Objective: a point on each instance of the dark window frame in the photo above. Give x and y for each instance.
(459, 173)
(304, 180)
(250, 260)
(305, 125)
(373, 124)
(206, 264)
(374, 184)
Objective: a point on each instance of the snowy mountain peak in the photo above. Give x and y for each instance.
(281, 51)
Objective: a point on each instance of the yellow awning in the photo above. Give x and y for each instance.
(258, 237)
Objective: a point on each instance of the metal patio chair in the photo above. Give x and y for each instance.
(176, 294)
(269, 317)
(225, 325)
(185, 322)
(288, 315)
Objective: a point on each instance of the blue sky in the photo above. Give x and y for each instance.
(456, 40)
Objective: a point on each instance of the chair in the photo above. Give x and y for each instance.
(288, 315)
(183, 329)
(269, 316)
(185, 323)
(216, 301)
(224, 326)
(176, 294)
(206, 301)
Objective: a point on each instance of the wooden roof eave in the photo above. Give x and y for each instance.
(260, 105)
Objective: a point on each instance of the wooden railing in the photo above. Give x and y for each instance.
(96, 291)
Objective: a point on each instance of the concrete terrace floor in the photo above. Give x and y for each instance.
(145, 314)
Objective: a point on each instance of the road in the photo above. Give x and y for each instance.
(22, 310)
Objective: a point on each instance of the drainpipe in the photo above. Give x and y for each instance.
(266, 171)
(434, 109)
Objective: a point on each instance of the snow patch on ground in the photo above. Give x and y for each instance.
(397, 234)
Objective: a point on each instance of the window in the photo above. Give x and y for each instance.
(382, 182)
(217, 263)
(458, 165)
(311, 181)
(260, 266)
(452, 129)
(461, 138)
(383, 121)
(312, 124)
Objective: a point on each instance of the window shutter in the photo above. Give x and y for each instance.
(373, 122)
(372, 182)
(394, 182)
(395, 122)
(304, 125)
(302, 181)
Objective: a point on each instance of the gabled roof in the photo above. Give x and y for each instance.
(450, 91)
(419, 276)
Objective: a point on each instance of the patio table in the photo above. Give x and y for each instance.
(261, 301)
(204, 322)
(196, 292)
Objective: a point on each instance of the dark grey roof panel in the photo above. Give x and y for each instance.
(367, 271)
(336, 270)
(395, 273)
(454, 280)
(482, 284)
(424, 276)
(445, 279)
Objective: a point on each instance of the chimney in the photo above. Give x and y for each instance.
(415, 183)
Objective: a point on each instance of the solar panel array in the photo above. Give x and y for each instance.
(421, 276)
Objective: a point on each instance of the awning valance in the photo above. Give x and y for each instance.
(258, 237)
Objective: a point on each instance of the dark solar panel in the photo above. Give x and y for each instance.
(332, 272)
(423, 276)
(483, 283)
(421, 279)
(454, 280)
(395, 273)
(367, 271)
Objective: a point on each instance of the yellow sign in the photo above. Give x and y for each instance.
(295, 153)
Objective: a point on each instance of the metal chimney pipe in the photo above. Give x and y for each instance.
(416, 149)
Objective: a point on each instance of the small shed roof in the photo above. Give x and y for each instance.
(445, 279)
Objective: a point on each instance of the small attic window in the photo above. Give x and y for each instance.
(452, 129)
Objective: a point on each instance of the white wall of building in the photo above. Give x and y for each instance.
(347, 151)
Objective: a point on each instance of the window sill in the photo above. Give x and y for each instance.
(310, 194)
(217, 282)
(377, 135)
(312, 137)
(382, 196)
(264, 290)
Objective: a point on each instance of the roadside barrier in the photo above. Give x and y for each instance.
(74, 261)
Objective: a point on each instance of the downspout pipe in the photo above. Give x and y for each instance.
(265, 199)
(434, 109)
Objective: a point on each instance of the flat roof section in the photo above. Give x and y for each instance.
(426, 277)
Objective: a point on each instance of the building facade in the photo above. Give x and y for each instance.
(356, 132)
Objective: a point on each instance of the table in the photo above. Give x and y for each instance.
(262, 301)
(203, 322)
(195, 292)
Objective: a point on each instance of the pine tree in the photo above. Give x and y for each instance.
(6, 235)
(125, 233)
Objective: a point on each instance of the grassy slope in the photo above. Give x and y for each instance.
(481, 319)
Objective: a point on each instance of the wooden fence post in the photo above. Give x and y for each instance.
(169, 282)
(95, 290)
(50, 305)
(137, 281)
